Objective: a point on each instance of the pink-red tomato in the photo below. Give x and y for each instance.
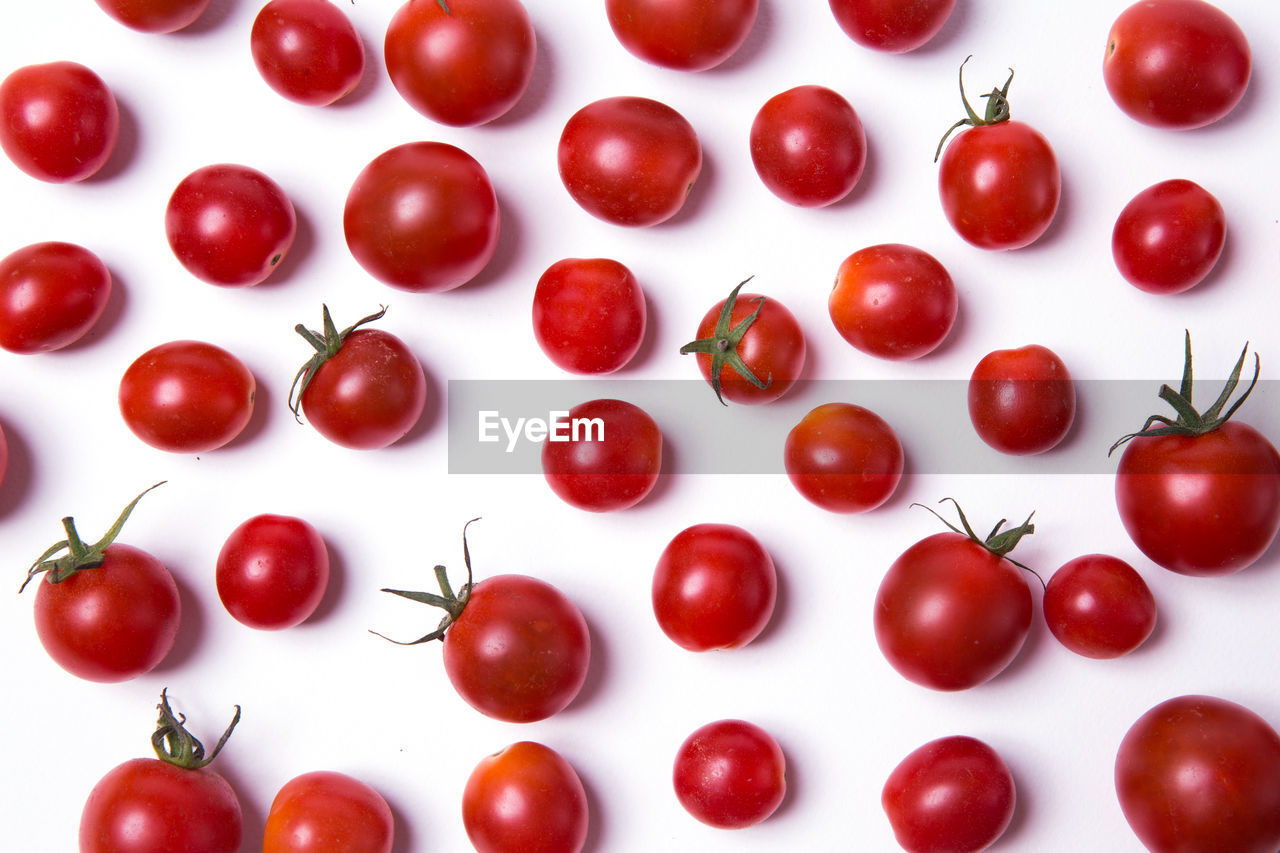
(525, 798)
(588, 314)
(891, 26)
(324, 812)
(730, 774)
(629, 160)
(685, 35)
(58, 121)
(893, 301)
(1177, 64)
(272, 571)
(154, 16)
(1021, 401)
(1169, 236)
(306, 50)
(604, 455)
(51, 294)
(808, 146)
(1099, 606)
(843, 458)
(772, 348)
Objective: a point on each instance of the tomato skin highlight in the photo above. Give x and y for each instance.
(730, 774)
(893, 301)
(58, 121)
(843, 458)
(1099, 606)
(323, 811)
(589, 315)
(891, 26)
(307, 50)
(683, 35)
(525, 798)
(51, 294)
(1168, 238)
(602, 473)
(154, 16)
(272, 571)
(1021, 401)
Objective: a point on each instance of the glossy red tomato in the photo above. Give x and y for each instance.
(730, 774)
(154, 16)
(628, 160)
(1199, 773)
(892, 26)
(58, 121)
(1176, 64)
(272, 571)
(685, 35)
(422, 217)
(843, 458)
(51, 294)
(893, 301)
(953, 794)
(461, 63)
(1169, 236)
(714, 588)
(1099, 606)
(307, 50)
(1022, 401)
(808, 146)
(323, 812)
(525, 798)
(607, 456)
(588, 314)
(187, 397)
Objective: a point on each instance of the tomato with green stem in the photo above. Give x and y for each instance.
(58, 121)
(323, 811)
(525, 798)
(51, 294)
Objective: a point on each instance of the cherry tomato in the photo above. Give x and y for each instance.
(187, 397)
(843, 458)
(808, 146)
(51, 294)
(1168, 238)
(953, 794)
(1099, 606)
(58, 121)
(422, 217)
(588, 314)
(891, 26)
(525, 798)
(893, 301)
(461, 63)
(307, 50)
(714, 588)
(730, 774)
(1022, 401)
(607, 457)
(685, 35)
(272, 571)
(154, 16)
(323, 811)
(1199, 773)
(630, 161)
(1176, 64)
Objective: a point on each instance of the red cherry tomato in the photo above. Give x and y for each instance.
(893, 301)
(843, 458)
(58, 121)
(323, 811)
(307, 50)
(714, 588)
(808, 146)
(953, 794)
(588, 314)
(422, 217)
(51, 294)
(730, 774)
(525, 798)
(461, 63)
(1022, 401)
(272, 571)
(1168, 238)
(607, 457)
(685, 35)
(154, 16)
(1201, 773)
(1098, 606)
(891, 26)
(1177, 64)
(630, 161)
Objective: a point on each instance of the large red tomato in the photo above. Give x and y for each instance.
(326, 812)
(1022, 401)
(50, 295)
(604, 455)
(730, 774)
(1169, 237)
(58, 121)
(154, 16)
(686, 35)
(525, 798)
(892, 26)
(893, 301)
(843, 458)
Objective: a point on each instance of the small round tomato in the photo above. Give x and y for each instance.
(808, 146)
(154, 16)
(306, 50)
(893, 301)
(843, 458)
(588, 314)
(461, 63)
(953, 794)
(891, 26)
(685, 35)
(1169, 236)
(58, 121)
(422, 217)
(1022, 401)
(730, 774)
(714, 588)
(272, 571)
(525, 798)
(1201, 773)
(50, 295)
(604, 455)
(323, 811)
(1098, 606)
(630, 161)
(1177, 64)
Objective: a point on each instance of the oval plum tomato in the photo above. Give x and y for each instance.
(630, 161)
(604, 455)
(272, 571)
(1201, 773)
(323, 811)
(714, 588)
(843, 458)
(891, 26)
(954, 794)
(187, 397)
(730, 774)
(684, 35)
(893, 301)
(363, 389)
(1169, 236)
(307, 50)
(525, 798)
(422, 217)
(1098, 606)
(461, 63)
(1200, 495)
(954, 610)
(1177, 64)
(171, 802)
(58, 121)
(154, 16)
(588, 314)
(1022, 401)
(51, 294)
(808, 146)
(999, 180)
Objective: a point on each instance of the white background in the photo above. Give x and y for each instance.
(329, 695)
